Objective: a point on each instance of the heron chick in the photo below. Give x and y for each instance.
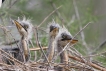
(62, 39)
(21, 51)
(25, 29)
(53, 31)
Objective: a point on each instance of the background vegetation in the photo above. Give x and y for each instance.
(74, 14)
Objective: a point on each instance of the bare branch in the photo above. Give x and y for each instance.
(57, 12)
(41, 47)
(80, 26)
(48, 16)
(36, 49)
(89, 63)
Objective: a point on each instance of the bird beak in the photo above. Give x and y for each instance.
(73, 41)
(20, 28)
(18, 25)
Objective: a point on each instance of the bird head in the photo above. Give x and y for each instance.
(53, 29)
(64, 37)
(24, 27)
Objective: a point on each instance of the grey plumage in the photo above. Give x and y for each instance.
(21, 52)
(62, 39)
(53, 30)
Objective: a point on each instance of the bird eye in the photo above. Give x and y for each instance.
(25, 27)
(63, 36)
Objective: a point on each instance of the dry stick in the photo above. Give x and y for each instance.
(13, 59)
(1, 26)
(41, 48)
(77, 54)
(9, 59)
(78, 66)
(99, 47)
(35, 37)
(11, 35)
(90, 63)
(36, 49)
(12, 3)
(70, 65)
(82, 67)
(57, 12)
(48, 16)
(80, 26)
(71, 40)
(96, 54)
(4, 29)
(79, 59)
(34, 30)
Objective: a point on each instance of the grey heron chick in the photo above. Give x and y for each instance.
(53, 31)
(25, 29)
(62, 39)
(21, 51)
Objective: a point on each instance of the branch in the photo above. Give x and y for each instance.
(57, 12)
(80, 26)
(99, 47)
(36, 49)
(48, 16)
(89, 63)
(41, 47)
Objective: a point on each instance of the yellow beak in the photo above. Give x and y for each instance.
(18, 25)
(73, 41)
(20, 28)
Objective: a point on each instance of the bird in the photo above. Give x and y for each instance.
(53, 30)
(21, 52)
(62, 39)
(25, 29)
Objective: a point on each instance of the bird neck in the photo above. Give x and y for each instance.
(51, 39)
(25, 48)
(50, 50)
(63, 55)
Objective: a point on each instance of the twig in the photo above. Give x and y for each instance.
(12, 57)
(90, 63)
(57, 12)
(1, 26)
(77, 54)
(48, 16)
(98, 54)
(13, 3)
(36, 49)
(41, 48)
(35, 54)
(99, 47)
(80, 26)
